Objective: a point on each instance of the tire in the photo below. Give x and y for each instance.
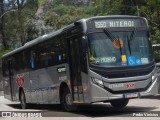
(67, 101)
(23, 100)
(120, 103)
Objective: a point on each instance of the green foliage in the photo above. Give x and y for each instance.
(62, 15)
(12, 23)
(61, 9)
(64, 12)
(150, 9)
(3, 53)
(41, 2)
(156, 36)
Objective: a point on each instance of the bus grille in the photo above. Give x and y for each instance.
(127, 74)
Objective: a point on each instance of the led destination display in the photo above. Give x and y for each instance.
(108, 23)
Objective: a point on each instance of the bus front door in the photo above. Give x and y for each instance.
(75, 70)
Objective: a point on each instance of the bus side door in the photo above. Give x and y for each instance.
(75, 68)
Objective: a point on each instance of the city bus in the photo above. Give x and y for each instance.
(97, 59)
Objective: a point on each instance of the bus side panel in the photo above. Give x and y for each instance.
(20, 80)
(8, 80)
(40, 83)
(44, 84)
(7, 88)
(33, 88)
(86, 87)
(58, 74)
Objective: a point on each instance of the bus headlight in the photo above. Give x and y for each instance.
(154, 78)
(97, 81)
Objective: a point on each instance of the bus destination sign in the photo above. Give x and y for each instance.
(116, 23)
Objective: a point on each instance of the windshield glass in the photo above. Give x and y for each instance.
(115, 49)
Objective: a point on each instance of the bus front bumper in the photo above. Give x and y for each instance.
(99, 94)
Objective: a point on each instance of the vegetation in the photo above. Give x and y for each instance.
(24, 20)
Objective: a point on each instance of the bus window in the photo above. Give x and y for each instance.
(18, 62)
(4, 68)
(33, 62)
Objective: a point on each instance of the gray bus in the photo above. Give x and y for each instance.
(98, 59)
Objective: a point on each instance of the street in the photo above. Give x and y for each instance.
(150, 106)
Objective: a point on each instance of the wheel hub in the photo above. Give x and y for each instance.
(69, 100)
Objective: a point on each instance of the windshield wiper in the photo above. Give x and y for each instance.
(129, 45)
(132, 34)
(109, 34)
(130, 39)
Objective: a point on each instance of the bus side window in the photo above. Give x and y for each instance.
(42, 56)
(18, 65)
(32, 59)
(63, 49)
(5, 68)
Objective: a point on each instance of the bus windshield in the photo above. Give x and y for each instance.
(117, 49)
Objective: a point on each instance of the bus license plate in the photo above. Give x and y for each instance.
(131, 95)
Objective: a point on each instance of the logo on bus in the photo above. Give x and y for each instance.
(130, 85)
(20, 80)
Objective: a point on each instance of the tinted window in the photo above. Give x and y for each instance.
(51, 52)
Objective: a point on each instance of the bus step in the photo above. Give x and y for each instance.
(78, 97)
(78, 102)
(75, 92)
(78, 89)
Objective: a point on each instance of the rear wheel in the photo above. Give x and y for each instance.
(67, 101)
(23, 100)
(119, 103)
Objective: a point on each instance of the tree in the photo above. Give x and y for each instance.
(2, 25)
(20, 20)
(62, 15)
(151, 10)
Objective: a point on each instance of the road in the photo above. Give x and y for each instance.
(150, 106)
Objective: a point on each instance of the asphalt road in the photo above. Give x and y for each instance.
(135, 109)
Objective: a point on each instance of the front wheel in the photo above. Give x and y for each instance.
(23, 100)
(119, 103)
(67, 101)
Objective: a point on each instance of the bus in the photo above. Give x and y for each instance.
(97, 59)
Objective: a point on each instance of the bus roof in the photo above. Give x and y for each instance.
(52, 34)
(155, 45)
(116, 16)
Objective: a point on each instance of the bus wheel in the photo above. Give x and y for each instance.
(119, 103)
(67, 101)
(23, 100)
